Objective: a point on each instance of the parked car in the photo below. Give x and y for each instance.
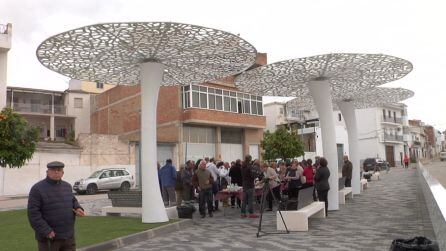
(374, 164)
(443, 156)
(105, 179)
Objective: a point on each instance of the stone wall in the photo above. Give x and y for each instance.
(105, 149)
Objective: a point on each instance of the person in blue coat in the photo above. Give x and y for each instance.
(52, 209)
(168, 176)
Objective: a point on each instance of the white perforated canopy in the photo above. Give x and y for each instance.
(113, 52)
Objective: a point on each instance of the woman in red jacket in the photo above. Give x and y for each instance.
(309, 174)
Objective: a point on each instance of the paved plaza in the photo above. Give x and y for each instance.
(390, 208)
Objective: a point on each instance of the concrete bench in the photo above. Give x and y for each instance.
(297, 220)
(172, 212)
(341, 183)
(363, 183)
(343, 193)
(375, 176)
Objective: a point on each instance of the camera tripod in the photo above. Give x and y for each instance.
(266, 190)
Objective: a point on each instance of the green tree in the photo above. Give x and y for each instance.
(281, 144)
(17, 139)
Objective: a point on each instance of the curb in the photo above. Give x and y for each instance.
(137, 237)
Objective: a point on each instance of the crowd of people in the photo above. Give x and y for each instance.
(203, 179)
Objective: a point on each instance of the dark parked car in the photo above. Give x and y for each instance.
(374, 164)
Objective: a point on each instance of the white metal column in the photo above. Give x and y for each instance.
(321, 92)
(152, 203)
(348, 112)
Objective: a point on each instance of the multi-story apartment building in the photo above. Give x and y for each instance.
(418, 146)
(212, 119)
(384, 133)
(5, 45)
(56, 113)
(306, 124)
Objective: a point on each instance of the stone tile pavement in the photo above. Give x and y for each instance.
(390, 208)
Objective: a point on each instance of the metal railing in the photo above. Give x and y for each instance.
(392, 120)
(391, 137)
(39, 108)
(295, 115)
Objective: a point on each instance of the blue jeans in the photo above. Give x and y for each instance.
(205, 197)
(248, 199)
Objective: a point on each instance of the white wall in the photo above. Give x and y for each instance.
(18, 181)
(82, 115)
(273, 117)
(368, 148)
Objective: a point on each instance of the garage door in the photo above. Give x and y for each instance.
(231, 152)
(254, 151)
(164, 152)
(195, 151)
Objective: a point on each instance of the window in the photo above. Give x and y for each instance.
(390, 114)
(339, 117)
(384, 113)
(233, 105)
(227, 104)
(211, 101)
(254, 107)
(78, 103)
(99, 85)
(247, 106)
(219, 102)
(281, 110)
(195, 134)
(222, 100)
(203, 100)
(195, 99)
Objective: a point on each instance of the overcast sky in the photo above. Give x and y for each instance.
(413, 30)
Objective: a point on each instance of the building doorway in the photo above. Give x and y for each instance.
(340, 148)
(390, 155)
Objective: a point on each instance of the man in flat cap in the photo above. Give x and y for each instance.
(52, 209)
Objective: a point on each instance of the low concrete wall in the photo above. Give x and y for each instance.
(18, 181)
(435, 196)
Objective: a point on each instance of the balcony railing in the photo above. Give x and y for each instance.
(39, 108)
(392, 120)
(297, 116)
(390, 137)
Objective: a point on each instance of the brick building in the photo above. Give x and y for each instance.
(212, 119)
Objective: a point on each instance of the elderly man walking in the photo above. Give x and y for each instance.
(204, 181)
(168, 177)
(52, 209)
(347, 171)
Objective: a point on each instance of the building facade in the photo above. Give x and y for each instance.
(212, 119)
(384, 133)
(306, 124)
(5, 45)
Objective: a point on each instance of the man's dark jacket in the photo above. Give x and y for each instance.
(321, 178)
(248, 176)
(347, 169)
(50, 208)
(236, 174)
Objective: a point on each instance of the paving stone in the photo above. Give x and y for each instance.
(388, 209)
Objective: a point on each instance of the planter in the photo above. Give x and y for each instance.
(131, 198)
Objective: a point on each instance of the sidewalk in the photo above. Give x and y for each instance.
(390, 208)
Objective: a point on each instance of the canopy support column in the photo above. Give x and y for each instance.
(320, 90)
(348, 112)
(153, 209)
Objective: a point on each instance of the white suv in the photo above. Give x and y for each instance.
(105, 179)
